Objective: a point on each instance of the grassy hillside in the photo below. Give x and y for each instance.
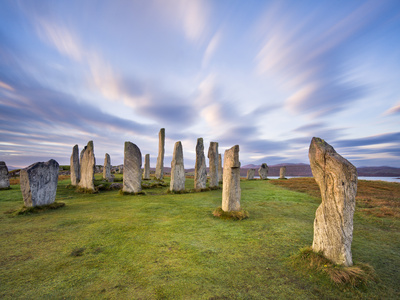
(169, 246)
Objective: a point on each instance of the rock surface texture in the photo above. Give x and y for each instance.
(132, 178)
(4, 180)
(146, 171)
(74, 166)
(88, 164)
(213, 164)
(333, 224)
(263, 171)
(220, 168)
(231, 192)
(160, 159)
(39, 183)
(282, 173)
(250, 174)
(200, 171)
(107, 168)
(177, 169)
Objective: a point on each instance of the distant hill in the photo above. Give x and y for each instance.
(305, 170)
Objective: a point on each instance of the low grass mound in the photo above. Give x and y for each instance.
(231, 215)
(35, 209)
(356, 275)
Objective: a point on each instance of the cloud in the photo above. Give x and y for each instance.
(211, 48)
(308, 58)
(393, 110)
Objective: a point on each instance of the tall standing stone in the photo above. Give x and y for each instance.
(4, 180)
(231, 183)
(132, 179)
(146, 171)
(337, 181)
(200, 170)
(74, 166)
(219, 168)
(282, 173)
(88, 165)
(263, 171)
(160, 159)
(177, 169)
(107, 168)
(250, 174)
(39, 183)
(213, 162)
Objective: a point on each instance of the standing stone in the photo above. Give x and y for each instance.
(263, 171)
(231, 183)
(177, 169)
(213, 162)
(132, 179)
(282, 173)
(107, 168)
(88, 165)
(160, 159)
(250, 174)
(146, 172)
(200, 170)
(74, 166)
(39, 183)
(4, 180)
(337, 181)
(219, 168)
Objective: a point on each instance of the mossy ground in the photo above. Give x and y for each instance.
(170, 246)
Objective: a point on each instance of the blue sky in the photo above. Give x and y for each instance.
(266, 75)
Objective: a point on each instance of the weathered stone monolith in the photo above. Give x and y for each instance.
(200, 170)
(107, 169)
(231, 183)
(160, 159)
(337, 181)
(213, 164)
(132, 179)
(39, 183)
(146, 171)
(263, 171)
(250, 174)
(74, 166)
(282, 173)
(88, 165)
(4, 180)
(177, 169)
(219, 168)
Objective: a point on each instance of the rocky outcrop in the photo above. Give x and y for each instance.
(282, 173)
(39, 183)
(4, 180)
(200, 170)
(160, 159)
(177, 169)
(263, 171)
(107, 169)
(250, 174)
(333, 224)
(132, 178)
(88, 165)
(220, 168)
(213, 164)
(74, 166)
(231, 191)
(146, 171)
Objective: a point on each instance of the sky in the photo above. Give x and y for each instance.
(265, 75)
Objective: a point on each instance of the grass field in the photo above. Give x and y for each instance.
(169, 246)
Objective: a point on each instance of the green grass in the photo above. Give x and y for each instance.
(170, 246)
